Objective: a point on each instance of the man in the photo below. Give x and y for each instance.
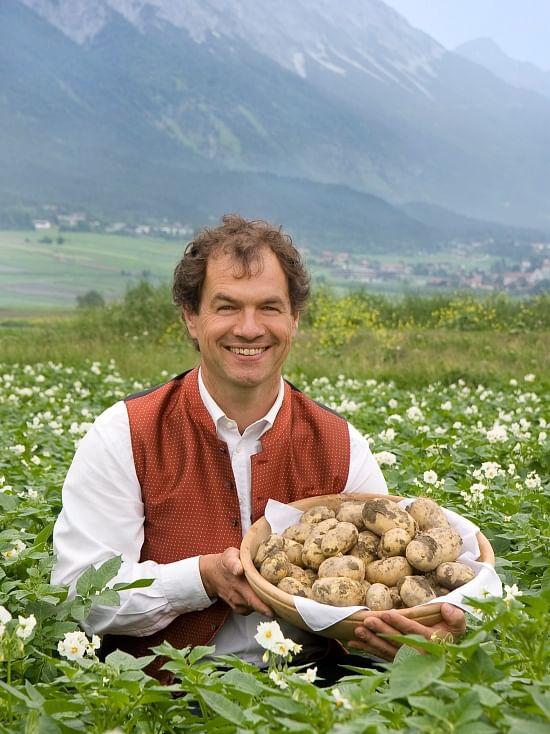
(172, 478)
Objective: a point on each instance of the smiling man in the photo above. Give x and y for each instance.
(171, 479)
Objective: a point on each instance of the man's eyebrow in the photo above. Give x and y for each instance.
(270, 300)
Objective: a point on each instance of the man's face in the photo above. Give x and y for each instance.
(244, 327)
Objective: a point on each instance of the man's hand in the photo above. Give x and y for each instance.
(452, 626)
(223, 578)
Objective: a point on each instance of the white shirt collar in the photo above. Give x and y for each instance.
(217, 414)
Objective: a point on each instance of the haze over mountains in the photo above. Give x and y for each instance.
(329, 117)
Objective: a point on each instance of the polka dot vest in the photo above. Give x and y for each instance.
(188, 489)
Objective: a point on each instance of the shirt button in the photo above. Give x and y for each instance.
(238, 449)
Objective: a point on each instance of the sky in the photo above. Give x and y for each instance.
(520, 27)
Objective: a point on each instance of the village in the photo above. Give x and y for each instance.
(473, 265)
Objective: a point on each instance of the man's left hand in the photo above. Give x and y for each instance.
(452, 626)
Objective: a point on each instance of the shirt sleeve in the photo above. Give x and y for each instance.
(364, 473)
(102, 516)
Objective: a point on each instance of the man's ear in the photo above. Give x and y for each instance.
(296, 319)
(190, 319)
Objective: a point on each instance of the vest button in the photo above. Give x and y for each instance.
(234, 523)
(229, 484)
(213, 627)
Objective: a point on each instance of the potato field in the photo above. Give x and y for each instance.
(481, 450)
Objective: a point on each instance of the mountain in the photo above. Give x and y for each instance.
(327, 115)
(486, 53)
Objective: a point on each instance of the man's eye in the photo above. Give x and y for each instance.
(226, 307)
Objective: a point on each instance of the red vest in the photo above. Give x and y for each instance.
(188, 488)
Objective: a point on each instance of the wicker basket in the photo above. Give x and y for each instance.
(283, 603)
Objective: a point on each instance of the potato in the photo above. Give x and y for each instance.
(379, 598)
(340, 540)
(300, 574)
(452, 575)
(310, 577)
(273, 543)
(381, 515)
(415, 590)
(316, 514)
(292, 586)
(351, 512)
(428, 514)
(312, 555)
(293, 550)
(394, 543)
(449, 540)
(397, 601)
(388, 571)
(298, 532)
(366, 547)
(349, 566)
(275, 567)
(424, 553)
(324, 526)
(338, 591)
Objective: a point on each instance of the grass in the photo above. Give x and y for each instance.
(409, 357)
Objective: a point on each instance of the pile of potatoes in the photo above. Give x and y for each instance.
(372, 553)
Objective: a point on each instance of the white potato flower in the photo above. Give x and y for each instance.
(497, 434)
(430, 477)
(385, 458)
(341, 701)
(26, 626)
(5, 616)
(268, 635)
(278, 678)
(310, 675)
(73, 646)
(511, 592)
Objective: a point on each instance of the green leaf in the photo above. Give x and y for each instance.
(43, 536)
(138, 584)
(529, 726)
(85, 582)
(198, 652)
(542, 700)
(107, 571)
(245, 682)
(480, 668)
(430, 705)
(61, 705)
(107, 598)
(222, 706)
(123, 661)
(476, 727)
(487, 696)
(414, 674)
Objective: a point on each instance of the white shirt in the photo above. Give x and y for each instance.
(103, 516)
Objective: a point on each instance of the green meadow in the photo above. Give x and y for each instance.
(37, 274)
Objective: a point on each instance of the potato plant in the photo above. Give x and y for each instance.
(482, 450)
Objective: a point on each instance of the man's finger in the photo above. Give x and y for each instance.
(231, 561)
(454, 619)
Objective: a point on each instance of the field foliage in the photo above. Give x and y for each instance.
(480, 449)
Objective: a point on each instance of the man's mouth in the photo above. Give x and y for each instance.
(247, 351)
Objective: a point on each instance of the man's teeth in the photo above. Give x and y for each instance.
(246, 352)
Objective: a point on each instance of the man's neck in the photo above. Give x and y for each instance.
(245, 405)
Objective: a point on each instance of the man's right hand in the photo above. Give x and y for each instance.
(223, 578)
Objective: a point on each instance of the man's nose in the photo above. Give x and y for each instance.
(249, 324)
